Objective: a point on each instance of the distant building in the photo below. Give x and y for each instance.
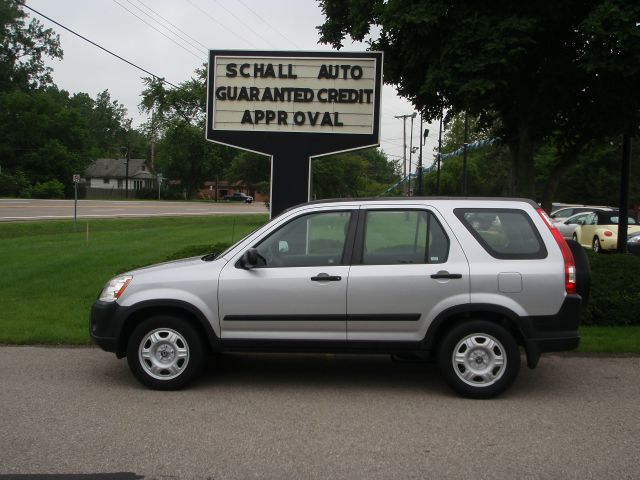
(106, 177)
(224, 187)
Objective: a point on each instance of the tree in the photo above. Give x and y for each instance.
(251, 169)
(178, 118)
(23, 47)
(539, 71)
(353, 174)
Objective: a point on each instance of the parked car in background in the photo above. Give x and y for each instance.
(566, 212)
(633, 243)
(567, 227)
(238, 197)
(599, 230)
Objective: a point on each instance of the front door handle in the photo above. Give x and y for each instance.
(444, 275)
(325, 277)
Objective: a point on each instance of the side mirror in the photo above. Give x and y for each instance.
(249, 259)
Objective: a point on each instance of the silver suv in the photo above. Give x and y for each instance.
(461, 281)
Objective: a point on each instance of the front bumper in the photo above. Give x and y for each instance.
(104, 329)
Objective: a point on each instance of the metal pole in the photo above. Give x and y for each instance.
(126, 175)
(623, 210)
(410, 156)
(466, 145)
(439, 155)
(75, 206)
(419, 192)
(404, 154)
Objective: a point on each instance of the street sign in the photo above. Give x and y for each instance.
(76, 178)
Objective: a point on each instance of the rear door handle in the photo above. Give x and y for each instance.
(325, 277)
(444, 275)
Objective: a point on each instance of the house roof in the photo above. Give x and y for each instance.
(116, 168)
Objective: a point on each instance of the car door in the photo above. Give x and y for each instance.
(298, 289)
(406, 267)
(570, 225)
(587, 230)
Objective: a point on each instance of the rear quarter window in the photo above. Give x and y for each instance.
(506, 234)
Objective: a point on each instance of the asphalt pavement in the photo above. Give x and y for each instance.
(79, 411)
(17, 209)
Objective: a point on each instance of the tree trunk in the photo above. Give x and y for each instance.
(522, 158)
(566, 162)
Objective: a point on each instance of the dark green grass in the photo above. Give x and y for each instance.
(51, 276)
(610, 339)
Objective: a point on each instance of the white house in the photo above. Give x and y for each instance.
(106, 177)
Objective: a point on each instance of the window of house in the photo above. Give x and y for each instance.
(105, 180)
(403, 237)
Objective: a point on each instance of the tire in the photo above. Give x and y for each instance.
(479, 359)
(164, 352)
(574, 237)
(595, 245)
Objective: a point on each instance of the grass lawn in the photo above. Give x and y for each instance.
(51, 276)
(610, 339)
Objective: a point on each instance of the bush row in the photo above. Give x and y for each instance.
(17, 185)
(615, 290)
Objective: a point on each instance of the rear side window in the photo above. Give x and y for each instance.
(507, 234)
(403, 237)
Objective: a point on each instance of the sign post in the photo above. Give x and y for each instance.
(76, 180)
(159, 178)
(294, 106)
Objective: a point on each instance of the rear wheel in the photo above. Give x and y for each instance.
(165, 353)
(596, 245)
(479, 359)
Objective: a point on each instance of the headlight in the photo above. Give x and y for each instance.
(114, 288)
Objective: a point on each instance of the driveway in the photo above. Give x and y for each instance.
(78, 410)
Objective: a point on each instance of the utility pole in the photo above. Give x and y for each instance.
(410, 155)
(466, 147)
(422, 139)
(404, 147)
(439, 156)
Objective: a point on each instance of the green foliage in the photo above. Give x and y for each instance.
(16, 185)
(23, 47)
(49, 189)
(251, 169)
(615, 290)
(353, 174)
(555, 73)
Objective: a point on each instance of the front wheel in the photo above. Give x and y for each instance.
(596, 245)
(479, 359)
(165, 353)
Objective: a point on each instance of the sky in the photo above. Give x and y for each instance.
(171, 38)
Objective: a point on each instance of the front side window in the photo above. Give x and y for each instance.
(311, 240)
(504, 233)
(403, 237)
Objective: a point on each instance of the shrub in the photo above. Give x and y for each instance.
(49, 189)
(16, 185)
(615, 290)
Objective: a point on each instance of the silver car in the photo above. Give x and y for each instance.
(462, 282)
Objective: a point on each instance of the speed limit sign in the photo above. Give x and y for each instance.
(76, 178)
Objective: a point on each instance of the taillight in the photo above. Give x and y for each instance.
(569, 262)
(607, 233)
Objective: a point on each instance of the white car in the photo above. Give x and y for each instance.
(567, 227)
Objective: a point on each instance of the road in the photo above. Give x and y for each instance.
(31, 209)
(78, 410)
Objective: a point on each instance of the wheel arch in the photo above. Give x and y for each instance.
(503, 316)
(184, 310)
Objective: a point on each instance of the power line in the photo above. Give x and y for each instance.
(95, 44)
(177, 35)
(253, 30)
(259, 17)
(172, 24)
(222, 25)
(160, 32)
